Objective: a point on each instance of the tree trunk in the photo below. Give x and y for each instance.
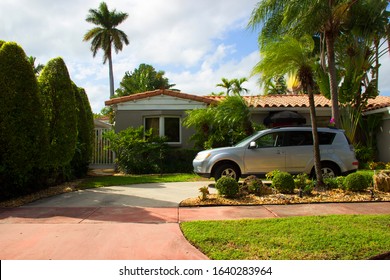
(316, 142)
(333, 78)
(110, 69)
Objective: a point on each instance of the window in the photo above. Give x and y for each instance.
(305, 138)
(270, 140)
(165, 126)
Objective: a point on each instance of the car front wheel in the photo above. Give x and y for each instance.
(227, 170)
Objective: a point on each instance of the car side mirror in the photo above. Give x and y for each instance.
(252, 145)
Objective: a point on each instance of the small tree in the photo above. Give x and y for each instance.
(144, 78)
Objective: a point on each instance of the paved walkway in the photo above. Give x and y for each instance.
(131, 222)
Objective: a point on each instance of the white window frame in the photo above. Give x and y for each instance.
(162, 126)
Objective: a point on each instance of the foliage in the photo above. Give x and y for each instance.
(356, 182)
(334, 237)
(137, 152)
(304, 183)
(227, 186)
(349, 121)
(23, 137)
(106, 36)
(233, 86)
(254, 185)
(334, 183)
(85, 126)
(283, 182)
(220, 125)
(275, 85)
(144, 78)
(204, 192)
(178, 160)
(58, 100)
(364, 154)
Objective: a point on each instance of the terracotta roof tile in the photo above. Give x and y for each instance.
(259, 101)
(378, 103)
(147, 94)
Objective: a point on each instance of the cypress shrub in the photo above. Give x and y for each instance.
(83, 151)
(23, 138)
(59, 108)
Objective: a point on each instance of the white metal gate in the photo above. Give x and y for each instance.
(101, 151)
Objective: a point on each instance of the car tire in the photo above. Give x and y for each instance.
(329, 170)
(227, 170)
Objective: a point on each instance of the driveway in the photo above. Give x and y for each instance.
(131, 222)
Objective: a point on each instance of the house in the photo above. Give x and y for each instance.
(164, 111)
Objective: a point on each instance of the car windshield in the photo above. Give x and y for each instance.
(247, 140)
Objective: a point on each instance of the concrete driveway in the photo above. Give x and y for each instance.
(131, 222)
(139, 195)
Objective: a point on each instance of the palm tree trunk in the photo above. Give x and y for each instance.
(110, 69)
(316, 142)
(333, 78)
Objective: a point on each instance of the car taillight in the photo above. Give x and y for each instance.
(355, 163)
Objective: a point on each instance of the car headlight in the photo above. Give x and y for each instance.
(202, 156)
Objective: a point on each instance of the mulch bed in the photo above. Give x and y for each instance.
(336, 195)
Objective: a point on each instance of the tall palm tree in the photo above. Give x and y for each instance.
(227, 84)
(286, 55)
(106, 36)
(237, 86)
(315, 17)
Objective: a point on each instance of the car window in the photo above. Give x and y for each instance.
(270, 140)
(299, 138)
(305, 138)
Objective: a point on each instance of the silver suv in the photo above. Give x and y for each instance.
(286, 149)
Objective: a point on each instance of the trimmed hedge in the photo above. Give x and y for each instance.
(356, 182)
(59, 108)
(227, 186)
(283, 182)
(23, 141)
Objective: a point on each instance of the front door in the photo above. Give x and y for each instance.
(268, 154)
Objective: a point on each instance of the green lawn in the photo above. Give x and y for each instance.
(104, 181)
(355, 237)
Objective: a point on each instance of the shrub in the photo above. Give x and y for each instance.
(356, 182)
(23, 137)
(303, 183)
(227, 186)
(254, 185)
(59, 108)
(83, 153)
(334, 183)
(137, 152)
(178, 160)
(283, 182)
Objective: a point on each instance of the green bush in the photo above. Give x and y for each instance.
(334, 183)
(227, 186)
(254, 185)
(23, 137)
(178, 160)
(137, 152)
(283, 182)
(304, 183)
(356, 182)
(83, 153)
(59, 108)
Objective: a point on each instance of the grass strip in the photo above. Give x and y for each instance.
(336, 237)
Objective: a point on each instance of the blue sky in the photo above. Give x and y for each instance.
(195, 42)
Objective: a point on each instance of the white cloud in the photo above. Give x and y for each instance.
(190, 40)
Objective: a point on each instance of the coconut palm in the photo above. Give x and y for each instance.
(287, 55)
(106, 36)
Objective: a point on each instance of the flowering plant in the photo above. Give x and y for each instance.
(332, 122)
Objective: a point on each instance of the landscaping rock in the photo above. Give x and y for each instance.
(382, 181)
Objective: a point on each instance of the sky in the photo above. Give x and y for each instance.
(196, 43)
